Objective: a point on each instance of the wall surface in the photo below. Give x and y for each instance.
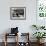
(24, 25)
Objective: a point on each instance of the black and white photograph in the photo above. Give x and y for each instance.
(17, 13)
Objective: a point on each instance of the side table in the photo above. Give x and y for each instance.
(8, 34)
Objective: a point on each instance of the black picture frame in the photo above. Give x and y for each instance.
(18, 13)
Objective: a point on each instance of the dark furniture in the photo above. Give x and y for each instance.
(14, 32)
(7, 35)
(27, 42)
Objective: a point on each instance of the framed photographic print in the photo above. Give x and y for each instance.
(17, 13)
(41, 12)
(41, 9)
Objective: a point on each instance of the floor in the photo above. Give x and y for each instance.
(13, 44)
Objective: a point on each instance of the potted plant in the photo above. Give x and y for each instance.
(39, 35)
(34, 26)
(38, 27)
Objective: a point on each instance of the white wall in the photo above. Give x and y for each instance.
(24, 25)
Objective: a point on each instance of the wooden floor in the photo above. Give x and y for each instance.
(13, 44)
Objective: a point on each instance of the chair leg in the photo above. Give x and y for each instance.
(5, 40)
(5, 43)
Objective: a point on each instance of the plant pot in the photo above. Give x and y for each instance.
(40, 41)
